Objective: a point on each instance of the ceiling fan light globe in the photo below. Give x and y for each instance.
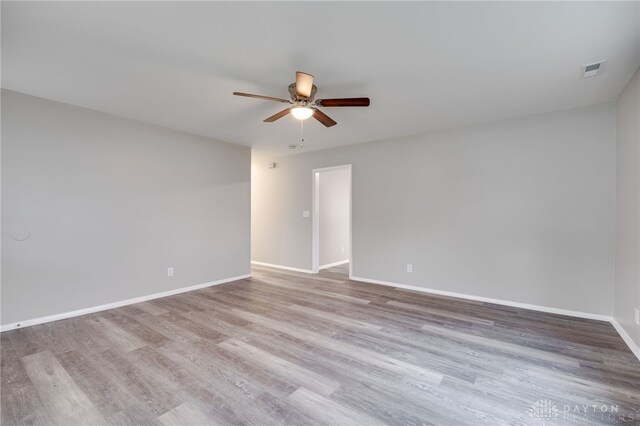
(301, 112)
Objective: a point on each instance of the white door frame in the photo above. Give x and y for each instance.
(315, 217)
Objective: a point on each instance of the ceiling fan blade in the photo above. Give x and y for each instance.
(266, 98)
(324, 118)
(344, 102)
(277, 116)
(304, 84)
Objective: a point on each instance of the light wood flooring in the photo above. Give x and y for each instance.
(289, 348)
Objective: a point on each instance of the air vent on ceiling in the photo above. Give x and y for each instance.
(591, 70)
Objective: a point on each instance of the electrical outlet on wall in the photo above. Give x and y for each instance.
(170, 272)
(637, 316)
(409, 267)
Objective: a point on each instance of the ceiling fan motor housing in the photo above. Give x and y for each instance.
(297, 98)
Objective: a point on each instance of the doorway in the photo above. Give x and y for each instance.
(331, 217)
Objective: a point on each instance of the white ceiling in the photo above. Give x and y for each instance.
(425, 66)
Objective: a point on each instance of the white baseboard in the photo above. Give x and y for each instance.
(56, 317)
(599, 317)
(547, 309)
(331, 265)
(286, 268)
(65, 315)
(627, 339)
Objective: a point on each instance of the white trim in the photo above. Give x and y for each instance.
(84, 311)
(315, 222)
(331, 265)
(625, 336)
(287, 268)
(550, 310)
(326, 169)
(578, 314)
(350, 220)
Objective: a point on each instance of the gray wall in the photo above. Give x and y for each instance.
(111, 204)
(521, 210)
(627, 283)
(334, 216)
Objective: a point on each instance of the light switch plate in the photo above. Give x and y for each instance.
(306, 213)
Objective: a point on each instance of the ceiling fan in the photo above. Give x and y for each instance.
(303, 106)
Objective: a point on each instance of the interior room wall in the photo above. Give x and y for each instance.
(520, 210)
(334, 216)
(627, 270)
(109, 204)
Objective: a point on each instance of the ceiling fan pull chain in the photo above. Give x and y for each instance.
(301, 133)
